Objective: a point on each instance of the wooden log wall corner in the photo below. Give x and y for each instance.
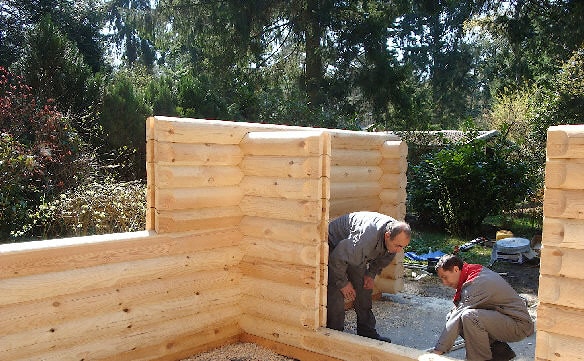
(234, 249)
(560, 314)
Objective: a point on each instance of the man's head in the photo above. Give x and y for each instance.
(397, 236)
(448, 269)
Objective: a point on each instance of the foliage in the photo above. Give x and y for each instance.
(457, 187)
(102, 207)
(39, 152)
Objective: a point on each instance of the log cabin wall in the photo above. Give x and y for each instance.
(560, 314)
(234, 248)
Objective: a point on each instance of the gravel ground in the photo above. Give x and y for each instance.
(413, 318)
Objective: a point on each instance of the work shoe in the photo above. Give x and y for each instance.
(501, 351)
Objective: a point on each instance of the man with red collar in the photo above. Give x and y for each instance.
(361, 244)
(488, 312)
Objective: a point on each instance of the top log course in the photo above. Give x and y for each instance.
(561, 309)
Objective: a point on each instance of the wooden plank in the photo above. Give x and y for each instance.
(363, 189)
(286, 350)
(47, 312)
(397, 211)
(332, 343)
(565, 233)
(562, 262)
(289, 143)
(355, 157)
(394, 165)
(394, 149)
(46, 285)
(202, 154)
(560, 320)
(171, 199)
(281, 208)
(129, 324)
(355, 173)
(285, 252)
(561, 291)
(561, 203)
(23, 259)
(341, 206)
(392, 196)
(184, 130)
(263, 289)
(565, 141)
(292, 315)
(173, 176)
(564, 173)
(357, 140)
(554, 347)
(281, 229)
(292, 188)
(197, 220)
(282, 167)
(296, 275)
(393, 181)
(150, 196)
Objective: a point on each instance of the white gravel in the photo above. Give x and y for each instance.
(239, 352)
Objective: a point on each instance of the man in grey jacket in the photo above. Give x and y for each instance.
(361, 244)
(488, 312)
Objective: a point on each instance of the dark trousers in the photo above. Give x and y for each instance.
(362, 305)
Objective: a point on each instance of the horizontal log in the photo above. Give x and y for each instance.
(305, 297)
(566, 233)
(341, 206)
(564, 203)
(356, 157)
(150, 195)
(560, 320)
(550, 346)
(394, 165)
(168, 199)
(342, 190)
(358, 140)
(296, 275)
(333, 343)
(42, 257)
(392, 196)
(565, 141)
(285, 252)
(281, 208)
(393, 181)
(282, 230)
(292, 352)
(287, 314)
(397, 211)
(184, 130)
(562, 262)
(394, 149)
(47, 312)
(564, 173)
(127, 323)
(34, 287)
(197, 220)
(291, 188)
(561, 291)
(355, 174)
(289, 143)
(202, 154)
(283, 167)
(389, 285)
(174, 176)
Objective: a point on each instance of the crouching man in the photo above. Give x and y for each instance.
(488, 312)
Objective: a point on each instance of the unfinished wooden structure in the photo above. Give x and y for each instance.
(235, 250)
(560, 315)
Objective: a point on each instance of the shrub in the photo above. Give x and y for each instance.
(457, 187)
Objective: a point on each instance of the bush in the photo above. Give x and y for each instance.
(95, 208)
(457, 187)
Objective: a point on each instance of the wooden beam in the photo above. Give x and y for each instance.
(564, 203)
(171, 199)
(355, 157)
(565, 141)
(281, 229)
(175, 176)
(282, 208)
(202, 154)
(561, 291)
(564, 173)
(282, 167)
(290, 143)
(565, 233)
(355, 173)
(286, 350)
(176, 221)
(274, 187)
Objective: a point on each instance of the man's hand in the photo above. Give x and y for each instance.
(368, 282)
(348, 292)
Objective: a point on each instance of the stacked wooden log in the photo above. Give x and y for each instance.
(560, 315)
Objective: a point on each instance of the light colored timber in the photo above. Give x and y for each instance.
(561, 291)
(561, 203)
(397, 211)
(354, 157)
(281, 229)
(301, 296)
(394, 165)
(196, 198)
(282, 167)
(564, 173)
(203, 154)
(394, 149)
(198, 219)
(555, 347)
(562, 262)
(565, 141)
(393, 181)
(363, 189)
(286, 252)
(286, 350)
(560, 320)
(300, 143)
(392, 196)
(355, 174)
(296, 275)
(294, 188)
(287, 314)
(174, 176)
(340, 206)
(566, 233)
(282, 208)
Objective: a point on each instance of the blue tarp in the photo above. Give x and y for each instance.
(424, 257)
